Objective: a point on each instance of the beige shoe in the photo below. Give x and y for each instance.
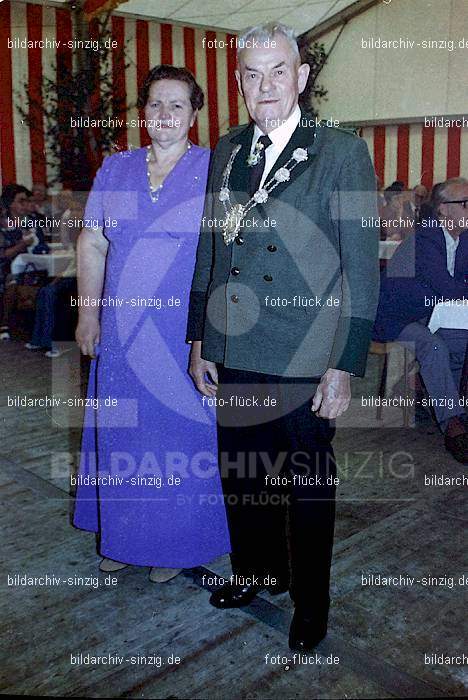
(160, 575)
(109, 565)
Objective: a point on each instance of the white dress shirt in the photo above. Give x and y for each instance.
(279, 139)
(451, 244)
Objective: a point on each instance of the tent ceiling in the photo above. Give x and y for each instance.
(221, 13)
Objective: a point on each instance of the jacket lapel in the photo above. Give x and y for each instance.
(461, 255)
(240, 175)
(304, 136)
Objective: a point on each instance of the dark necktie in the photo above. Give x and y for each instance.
(256, 171)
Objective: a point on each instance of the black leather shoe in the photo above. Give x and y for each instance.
(232, 596)
(306, 631)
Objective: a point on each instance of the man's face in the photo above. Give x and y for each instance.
(420, 194)
(454, 213)
(270, 79)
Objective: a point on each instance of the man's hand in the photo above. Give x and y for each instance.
(333, 394)
(199, 368)
(87, 334)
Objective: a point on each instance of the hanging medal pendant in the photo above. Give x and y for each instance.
(233, 222)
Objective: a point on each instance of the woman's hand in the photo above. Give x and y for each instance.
(87, 334)
(199, 368)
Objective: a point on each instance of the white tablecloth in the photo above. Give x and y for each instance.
(54, 263)
(449, 316)
(387, 248)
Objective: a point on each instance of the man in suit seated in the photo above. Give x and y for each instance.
(428, 268)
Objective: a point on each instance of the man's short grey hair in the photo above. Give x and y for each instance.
(266, 33)
(439, 193)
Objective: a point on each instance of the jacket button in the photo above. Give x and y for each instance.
(268, 278)
(235, 271)
(272, 248)
(234, 298)
(239, 240)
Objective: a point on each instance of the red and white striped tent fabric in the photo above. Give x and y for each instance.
(408, 152)
(149, 43)
(416, 153)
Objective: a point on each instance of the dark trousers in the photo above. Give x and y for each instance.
(441, 358)
(8, 301)
(282, 530)
(46, 309)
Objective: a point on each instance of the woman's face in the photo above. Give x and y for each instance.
(168, 111)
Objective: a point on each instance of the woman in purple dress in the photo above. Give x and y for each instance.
(148, 481)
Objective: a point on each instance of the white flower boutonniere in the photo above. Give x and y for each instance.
(254, 157)
(282, 175)
(260, 196)
(300, 154)
(223, 194)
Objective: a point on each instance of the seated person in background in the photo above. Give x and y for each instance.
(42, 204)
(71, 222)
(13, 242)
(427, 268)
(14, 206)
(20, 212)
(61, 288)
(61, 202)
(433, 199)
(391, 214)
(380, 194)
(411, 210)
(426, 209)
(35, 223)
(419, 203)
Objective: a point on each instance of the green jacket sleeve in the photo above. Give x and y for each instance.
(355, 216)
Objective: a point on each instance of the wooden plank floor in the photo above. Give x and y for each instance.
(389, 523)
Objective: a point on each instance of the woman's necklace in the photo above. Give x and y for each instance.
(156, 191)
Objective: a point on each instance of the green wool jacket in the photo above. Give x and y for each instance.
(297, 291)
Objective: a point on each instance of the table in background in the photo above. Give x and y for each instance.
(387, 248)
(55, 263)
(452, 317)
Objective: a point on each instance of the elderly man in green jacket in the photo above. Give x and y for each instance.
(281, 310)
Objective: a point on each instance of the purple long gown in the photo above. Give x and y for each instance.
(151, 426)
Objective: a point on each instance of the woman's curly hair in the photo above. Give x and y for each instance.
(165, 72)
